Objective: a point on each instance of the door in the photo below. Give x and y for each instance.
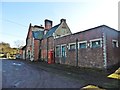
(63, 53)
(28, 54)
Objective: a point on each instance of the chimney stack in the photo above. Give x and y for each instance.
(62, 20)
(48, 24)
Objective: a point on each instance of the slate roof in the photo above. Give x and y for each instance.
(23, 48)
(95, 28)
(38, 34)
(51, 31)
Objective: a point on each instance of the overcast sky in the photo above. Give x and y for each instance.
(80, 15)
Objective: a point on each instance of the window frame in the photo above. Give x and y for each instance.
(81, 43)
(65, 49)
(71, 44)
(93, 40)
(59, 51)
(116, 43)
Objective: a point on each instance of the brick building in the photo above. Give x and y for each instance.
(47, 43)
(35, 34)
(23, 55)
(96, 47)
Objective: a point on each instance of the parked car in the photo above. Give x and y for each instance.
(17, 56)
(12, 57)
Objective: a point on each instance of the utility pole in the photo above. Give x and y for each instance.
(77, 52)
(47, 48)
(54, 45)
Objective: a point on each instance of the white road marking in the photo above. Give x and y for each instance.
(3, 71)
(17, 83)
(18, 64)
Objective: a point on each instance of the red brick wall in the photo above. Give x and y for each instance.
(36, 50)
(90, 57)
(46, 48)
(113, 56)
(20, 51)
(71, 58)
(50, 43)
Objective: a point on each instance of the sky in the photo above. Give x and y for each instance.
(80, 15)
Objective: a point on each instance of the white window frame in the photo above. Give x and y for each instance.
(61, 49)
(96, 40)
(81, 43)
(65, 35)
(115, 41)
(71, 44)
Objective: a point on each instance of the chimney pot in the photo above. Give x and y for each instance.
(48, 24)
(62, 20)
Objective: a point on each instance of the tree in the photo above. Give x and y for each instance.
(4, 47)
(6, 50)
(19, 43)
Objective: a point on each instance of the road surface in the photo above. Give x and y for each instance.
(26, 74)
(17, 74)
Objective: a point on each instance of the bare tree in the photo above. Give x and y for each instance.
(19, 43)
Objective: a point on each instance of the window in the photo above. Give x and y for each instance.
(82, 44)
(63, 31)
(58, 51)
(72, 46)
(96, 43)
(63, 51)
(115, 43)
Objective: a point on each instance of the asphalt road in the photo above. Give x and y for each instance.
(0, 74)
(17, 74)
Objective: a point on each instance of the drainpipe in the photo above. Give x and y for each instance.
(104, 51)
(77, 52)
(25, 52)
(47, 49)
(39, 54)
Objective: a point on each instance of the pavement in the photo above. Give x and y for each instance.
(58, 76)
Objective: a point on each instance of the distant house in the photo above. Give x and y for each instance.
(23, 55)
(35, 33)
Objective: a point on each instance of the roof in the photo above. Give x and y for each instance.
(95, 28)
(28, 31)
(91, 29)
(39, 26)
(51, 31)
(23, 48)
(38, 34)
